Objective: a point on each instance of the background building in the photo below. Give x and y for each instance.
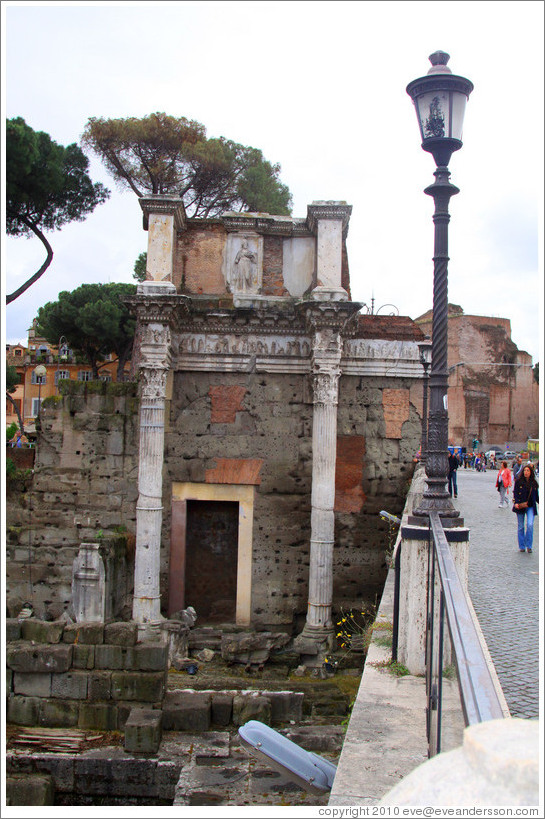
(492, 395)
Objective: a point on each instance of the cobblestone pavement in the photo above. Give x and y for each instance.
(504, 588)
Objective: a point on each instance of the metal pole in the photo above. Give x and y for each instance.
(436, 498)
(424, 443)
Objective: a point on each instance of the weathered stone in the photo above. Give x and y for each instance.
(98, 716)
(32, 685)
(150, 657)
(251, 706)
(121, 634)
(84, 633)
(206, 655)
(13, 629)
(40, 631)
(222, 708)
(83, 656)
(186, 711)
(59, 766)
(99, 685)
(71, 685)
(135, 685)
(58, 713)
(23, 710)
(143, 731)
(29, 789)
(39, 658)
(285, 705)
(251, 647)
(113, 656)
(115, 776)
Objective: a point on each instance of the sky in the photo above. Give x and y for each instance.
(319, 87)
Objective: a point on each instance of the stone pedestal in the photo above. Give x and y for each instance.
(329, 220)
(164, 215)
(88, 598)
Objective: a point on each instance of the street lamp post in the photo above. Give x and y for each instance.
(62, 352)
(40, 372)
(425, 360)
(439, 99)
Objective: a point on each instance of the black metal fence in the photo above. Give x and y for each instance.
(453, 647)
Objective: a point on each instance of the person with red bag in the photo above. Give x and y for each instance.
(503, 482)
(526, 498)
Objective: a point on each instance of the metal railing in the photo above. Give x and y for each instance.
(453, 646)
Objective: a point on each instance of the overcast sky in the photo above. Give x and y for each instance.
(320, 88)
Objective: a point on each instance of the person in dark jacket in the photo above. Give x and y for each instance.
(526, 498)
(453, 464)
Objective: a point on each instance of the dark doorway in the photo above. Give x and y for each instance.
(211, 559)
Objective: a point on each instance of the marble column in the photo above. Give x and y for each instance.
(154, 367)
(318, 633)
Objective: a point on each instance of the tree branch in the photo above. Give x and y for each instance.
(42, 269)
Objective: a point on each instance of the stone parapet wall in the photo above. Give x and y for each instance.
(85, 675)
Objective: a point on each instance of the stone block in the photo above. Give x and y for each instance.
(186, 711)
(71, 685)
(23, 710)
(83, 656)
(13, 629)
(59, 766)
(29, 789)
(285, 705)
(31, 685)
(251, 647)
(99, 716)
(121, 634)
(138, 685)
(251, 706)
(143, 731)
(114, 776)
(150, 657)
(84, 633)
(113, 656)
(9, 681)
(39, 658)
(58, 713)
(99, 685)
(41, 631)
(222, 709)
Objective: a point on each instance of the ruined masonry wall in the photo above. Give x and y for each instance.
(84, 489)
(267, 419)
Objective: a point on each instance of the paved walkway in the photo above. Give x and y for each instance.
(504, 588)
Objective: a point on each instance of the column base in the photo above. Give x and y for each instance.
(152, 632)
(314, 643)
(322, 293)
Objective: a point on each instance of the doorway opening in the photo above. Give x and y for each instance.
(211, 559)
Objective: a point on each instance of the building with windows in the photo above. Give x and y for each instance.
(35, 385)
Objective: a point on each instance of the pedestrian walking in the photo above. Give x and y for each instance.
(526, 498)
(517, 467)
(503, 482)
(453, 464)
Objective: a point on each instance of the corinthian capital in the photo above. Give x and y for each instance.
(153, 382)
(326, 386)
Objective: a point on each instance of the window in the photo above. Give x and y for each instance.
(61, 374)
(35, 406)
(106, 377)
(85, 375)
(18, 352)
(38, 379)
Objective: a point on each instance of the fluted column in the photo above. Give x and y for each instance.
(317, 635)
(155, 364)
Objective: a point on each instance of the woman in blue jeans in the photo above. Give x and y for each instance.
(526, 498)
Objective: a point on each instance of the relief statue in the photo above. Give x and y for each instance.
(244, 267)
